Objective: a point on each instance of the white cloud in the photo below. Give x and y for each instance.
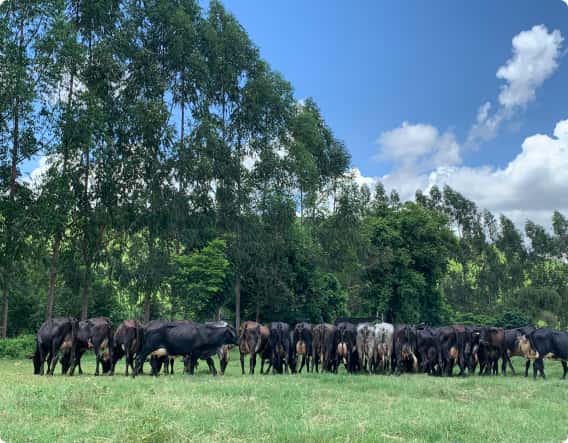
(418, 146)
(531, 186)
(535, 58)
(565, 1)
(361, 180)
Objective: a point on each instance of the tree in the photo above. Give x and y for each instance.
(22, 75)
(411, 248)
(200, 279)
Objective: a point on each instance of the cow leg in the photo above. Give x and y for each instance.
(41, 359)
(242, 358)
(98, 360)
(127, 360)
(510, 363)
(461, 362)
(172, 360)
(303, 362)
(527, 366)
(252, 363)
(140, 359)
(48, 360)
(565, 368)
(541, 368)
(450, 367)
(110, 356)
(211, 365)
(55, 345)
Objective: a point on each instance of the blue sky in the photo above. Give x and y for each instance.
(372, 65)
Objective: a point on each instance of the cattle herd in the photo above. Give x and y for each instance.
(360, 346)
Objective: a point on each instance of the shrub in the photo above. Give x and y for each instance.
(18, 347)
(473, 319)
(512, 319)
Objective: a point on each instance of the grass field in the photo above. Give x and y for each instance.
(296, 408)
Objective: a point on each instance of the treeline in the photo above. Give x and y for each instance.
(183, 179)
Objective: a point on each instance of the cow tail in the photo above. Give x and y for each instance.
(74, 334)
(531, 341)
(137, 332)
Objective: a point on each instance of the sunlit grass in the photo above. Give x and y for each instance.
(307, 407)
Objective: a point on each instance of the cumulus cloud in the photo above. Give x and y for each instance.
(565, 1)
(536, 53)
(531, 186)
(418, 146)
(535, 58)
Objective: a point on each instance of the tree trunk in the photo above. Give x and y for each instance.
(5, 313)
(238, 302)
(301, 206)
(12, 189)
(52, 277)
(86, 291)
(257, 310)
(147, 306)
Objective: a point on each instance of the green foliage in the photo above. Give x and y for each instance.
(182, 176)
(472, 319)
(512, 319)
(199, 280)
(411, 249)
(18, 347)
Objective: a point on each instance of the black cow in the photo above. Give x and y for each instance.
(472, 347)
(428, 351)
(126, 343)
(517, 344)
(491, 349)
(404, 355)
(451, 349)
(160, 357)
(183, 339)
(549, 343)
(96, 334)
(206, 353)
(253, 340)
(302, 344)
(280, 346)
(324, 347)
(56, 338)
(347, 346)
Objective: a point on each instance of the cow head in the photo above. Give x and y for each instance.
(230, 336)
(35, 357)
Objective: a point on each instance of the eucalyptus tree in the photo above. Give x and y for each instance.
(244, 110)
(320, 159)
(23, 26)
(149, 137)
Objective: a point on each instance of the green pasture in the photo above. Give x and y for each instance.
(293, 408)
